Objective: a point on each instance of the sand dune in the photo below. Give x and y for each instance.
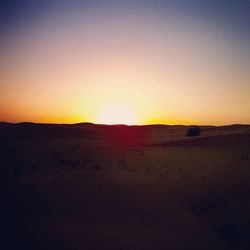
(87, 186)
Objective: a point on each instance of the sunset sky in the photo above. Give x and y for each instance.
(135, 62)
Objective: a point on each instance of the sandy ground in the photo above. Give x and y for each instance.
(113, 187)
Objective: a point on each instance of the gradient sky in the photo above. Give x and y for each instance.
(176, 62)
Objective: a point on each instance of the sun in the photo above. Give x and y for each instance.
(117, 114)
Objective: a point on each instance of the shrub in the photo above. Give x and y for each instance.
(194, 131)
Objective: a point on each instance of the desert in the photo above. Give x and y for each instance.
(87, 186)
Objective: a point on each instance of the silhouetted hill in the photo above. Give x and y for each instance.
(93, 186)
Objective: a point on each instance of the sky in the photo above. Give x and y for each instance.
(134, 62)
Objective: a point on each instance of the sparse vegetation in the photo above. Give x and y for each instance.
(194, 131)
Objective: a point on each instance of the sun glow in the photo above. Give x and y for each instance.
(117, 114)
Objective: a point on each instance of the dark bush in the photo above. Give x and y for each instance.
(194, 131)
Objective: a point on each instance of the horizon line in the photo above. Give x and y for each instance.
(122, 124)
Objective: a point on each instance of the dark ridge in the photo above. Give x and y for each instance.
(226, 127)
(82, 124)
(209, 141)
(90, 130)
(32, 130)
(230, 126)
(5, 123)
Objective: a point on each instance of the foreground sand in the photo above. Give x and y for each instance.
(87, 186)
